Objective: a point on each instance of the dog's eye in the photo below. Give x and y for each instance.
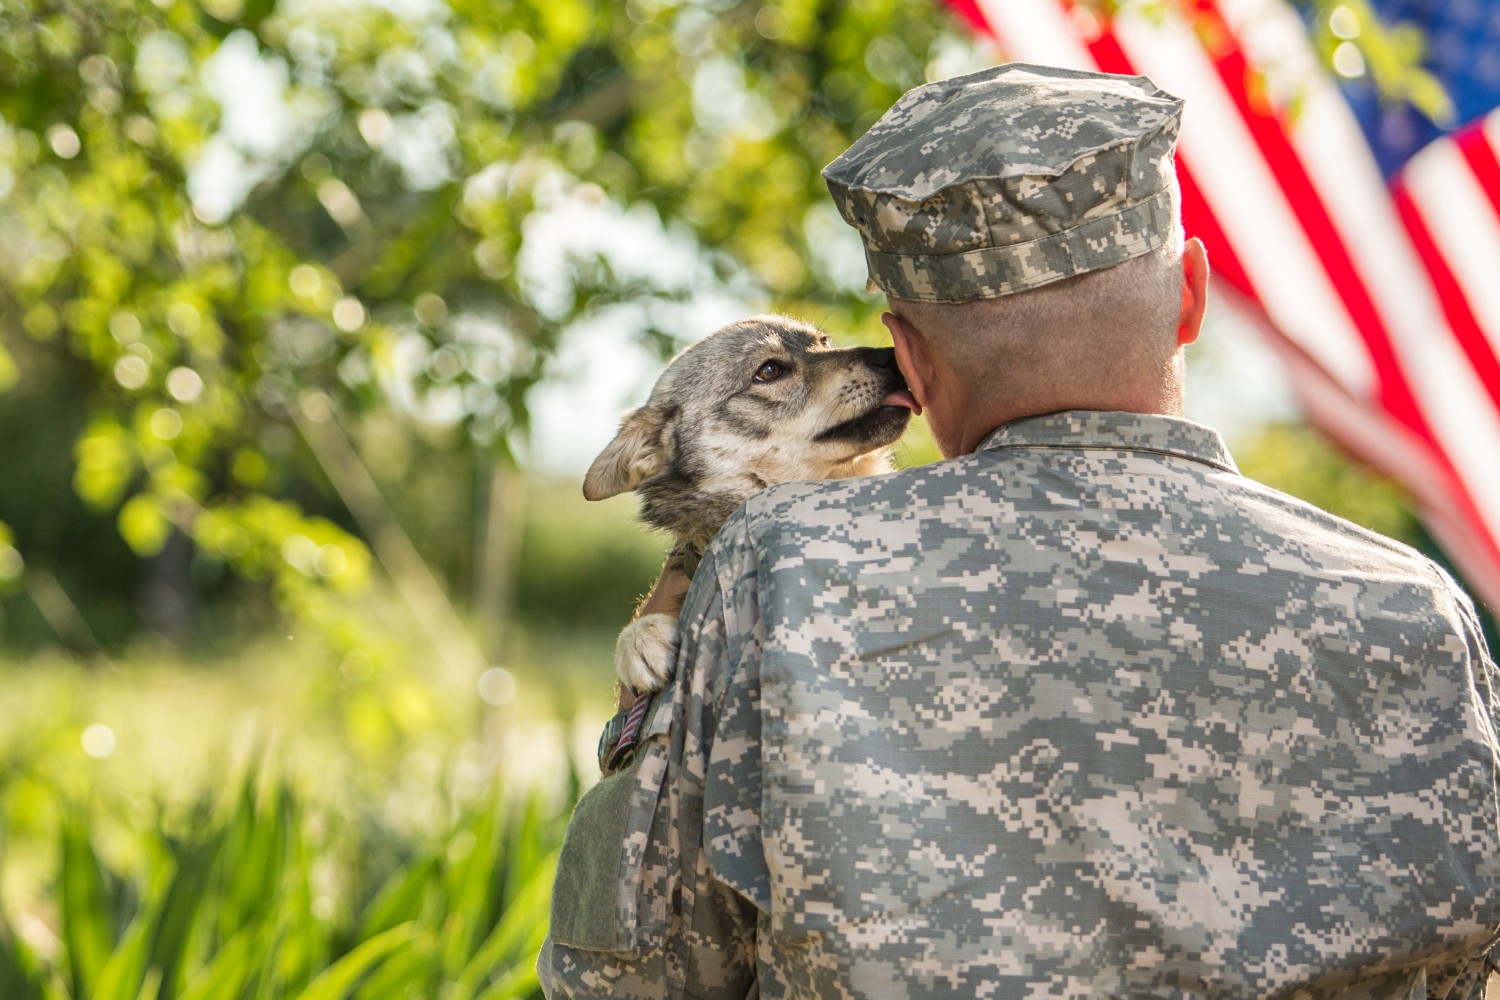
(770, 371)
(824, 342)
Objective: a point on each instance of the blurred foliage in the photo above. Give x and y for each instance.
(1296, 460)
(217, 217)
(263, 895)
(1348, 37)
(353, 857)
(1390, 54)
(582, 564)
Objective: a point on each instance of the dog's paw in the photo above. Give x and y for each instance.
(646, 652)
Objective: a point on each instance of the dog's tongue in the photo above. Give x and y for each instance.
(902, 397)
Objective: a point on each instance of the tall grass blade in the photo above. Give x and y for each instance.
(340, 977)
(125, 971)
(513, 945)
(150, 985)
(529, 840)
(518, 982)
(230, 971)
(85, 906)
(400, 899)
(256, 839)
(179, 909)
(479, 895)
(412, 973)
(21, 973)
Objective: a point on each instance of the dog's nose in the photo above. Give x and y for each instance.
(883, 358)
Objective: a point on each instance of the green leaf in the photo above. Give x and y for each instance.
(340, 977)
(512, 946)
(143, 525)
(180, 906)
(124, 973)
(400, 899)
(85, 906)
(230, 971)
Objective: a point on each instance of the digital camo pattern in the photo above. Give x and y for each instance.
(1009, 178)
(1084, 714)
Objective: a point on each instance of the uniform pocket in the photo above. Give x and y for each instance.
(611, 876)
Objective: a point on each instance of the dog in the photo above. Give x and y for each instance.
(762, 401)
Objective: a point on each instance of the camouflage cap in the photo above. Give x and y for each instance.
(1009, 178)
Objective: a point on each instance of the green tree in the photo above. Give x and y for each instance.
(234, 232)
(232, 228)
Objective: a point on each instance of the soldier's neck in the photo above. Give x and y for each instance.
(977, 422)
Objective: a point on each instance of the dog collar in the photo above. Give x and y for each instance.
(622, 734)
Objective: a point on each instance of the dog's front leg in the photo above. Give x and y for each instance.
(646, 652)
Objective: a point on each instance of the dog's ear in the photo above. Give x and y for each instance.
(637, 453)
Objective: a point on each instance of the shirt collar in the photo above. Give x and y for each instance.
(1112, 431)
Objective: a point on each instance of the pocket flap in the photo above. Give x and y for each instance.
(597, 902)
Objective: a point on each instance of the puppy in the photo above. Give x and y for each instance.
(762, 401)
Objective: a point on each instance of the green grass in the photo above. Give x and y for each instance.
(272, 825)
(263, 895)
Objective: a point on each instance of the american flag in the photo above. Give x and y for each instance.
(1363, 235)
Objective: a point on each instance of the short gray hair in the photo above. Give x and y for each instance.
(1109, 326)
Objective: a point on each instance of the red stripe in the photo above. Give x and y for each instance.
(1270, 136)
(969, 11)
(1197, 217)
(1461, 318)
(1475, 146)
(1269, 133)
(1396, 394)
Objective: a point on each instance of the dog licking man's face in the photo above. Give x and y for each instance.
(762, 401)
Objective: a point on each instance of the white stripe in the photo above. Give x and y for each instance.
(1457, 212)
(1279, 261)
(1376, 438)
(1245, 197)
(1381, 441)
(1334, 151)
(1036, 32)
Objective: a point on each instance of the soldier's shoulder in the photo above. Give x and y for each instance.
(1309, 522)
(818, 503)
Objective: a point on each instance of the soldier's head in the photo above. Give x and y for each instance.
(1024, 223)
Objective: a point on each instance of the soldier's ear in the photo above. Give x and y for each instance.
(637, 453)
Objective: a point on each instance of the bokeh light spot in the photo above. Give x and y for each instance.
(166, 423)
(64, 141)
(348, 314)
(98, 741)
(497, 686)
(184, 384)
(132, 372)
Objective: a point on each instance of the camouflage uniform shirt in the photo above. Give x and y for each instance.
(1083, 714)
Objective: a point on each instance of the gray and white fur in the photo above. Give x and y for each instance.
(762, 401)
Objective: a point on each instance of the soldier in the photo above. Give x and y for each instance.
(1080, 711)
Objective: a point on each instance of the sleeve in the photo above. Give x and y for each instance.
(1486, 675)
(675, 927)
(1482, 977)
